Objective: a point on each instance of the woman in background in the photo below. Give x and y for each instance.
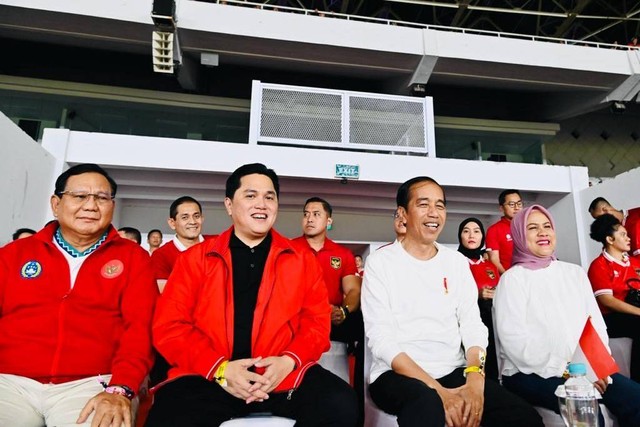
(610, 275)
(485, 273)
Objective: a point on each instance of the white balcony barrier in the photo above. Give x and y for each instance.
(315, 117)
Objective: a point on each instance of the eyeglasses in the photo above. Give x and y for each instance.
(514, 204)
(81, 197)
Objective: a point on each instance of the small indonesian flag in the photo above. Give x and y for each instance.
(594, 354)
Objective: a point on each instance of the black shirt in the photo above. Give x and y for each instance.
(247, 266)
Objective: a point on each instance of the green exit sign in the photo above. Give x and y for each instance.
(348, 171)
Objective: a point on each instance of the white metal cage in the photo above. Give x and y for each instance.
(297, 115)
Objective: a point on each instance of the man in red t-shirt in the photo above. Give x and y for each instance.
(630, 219)
(337, 262)
(498, 241)
(185, 218)
(343, 284)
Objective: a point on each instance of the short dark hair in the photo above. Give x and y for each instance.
(503, 196)
(20, 231)
(402, 196)
(61, 182)
(132, 232)
(595, 202)
(155, 230)
(325, 205)
(233, 182)
(604, 226)
(173, 209)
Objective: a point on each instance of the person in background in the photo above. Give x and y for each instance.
(486, 276)
(22, 233)
(342, 282)
(630, 219)
(185, 218)
(154, 239)
(611, 274)
(359, 265)
(399, 225)
(541, 308)
(130, 233)
(499, 242)
(76, 303)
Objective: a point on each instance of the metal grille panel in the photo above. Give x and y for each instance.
(386, 122)
(308, 116)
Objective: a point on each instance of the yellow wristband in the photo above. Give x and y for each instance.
(476, 369)
(219, 375)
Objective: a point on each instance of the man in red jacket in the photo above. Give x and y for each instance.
(243, 320)
(76, 302)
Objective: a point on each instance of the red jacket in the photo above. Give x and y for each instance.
(52, 333)
(193, 324)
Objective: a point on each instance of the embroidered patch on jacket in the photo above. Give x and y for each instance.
(31, 270)
(490, 273)
(336, 262)
(112, 269)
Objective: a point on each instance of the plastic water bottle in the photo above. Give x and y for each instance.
(582, 404)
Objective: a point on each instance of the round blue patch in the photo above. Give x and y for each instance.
(31, 270)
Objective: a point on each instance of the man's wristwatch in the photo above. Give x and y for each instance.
(345, 311)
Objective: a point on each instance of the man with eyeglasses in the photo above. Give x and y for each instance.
(498, 241)
(76, 302)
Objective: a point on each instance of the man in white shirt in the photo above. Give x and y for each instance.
(424, 327)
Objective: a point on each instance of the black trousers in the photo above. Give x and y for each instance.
(415, 404)
(322, 399)
(351, 331)
(626, 325)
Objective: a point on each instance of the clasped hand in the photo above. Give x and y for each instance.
(253, 387)
(463, 405)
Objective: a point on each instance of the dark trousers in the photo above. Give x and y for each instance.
(415, 404)
(322, 399)
(351, 331)
(626, 325)
(622, 397)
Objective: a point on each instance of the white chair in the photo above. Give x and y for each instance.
(373, 416)
(336, 360)
(621, 352)
(259, 420)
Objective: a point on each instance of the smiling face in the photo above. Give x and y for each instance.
(426, 212)
(471, 236)
(315, 219)
(253, 208)
(541, 237)
(83, 220)
(188, 222)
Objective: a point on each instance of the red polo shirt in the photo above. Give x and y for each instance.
(609, 276)
(336, 262)
(499, 239)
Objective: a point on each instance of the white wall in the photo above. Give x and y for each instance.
(28, 176)
(621, 191)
